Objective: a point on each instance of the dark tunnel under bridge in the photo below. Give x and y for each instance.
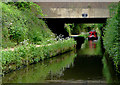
(57, 24)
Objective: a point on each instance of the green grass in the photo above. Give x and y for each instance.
(25, 55)
(19, 26)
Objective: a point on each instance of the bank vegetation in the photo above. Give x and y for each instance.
(111, 39)
(29, 36)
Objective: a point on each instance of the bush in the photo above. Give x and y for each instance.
(111, 37)
(29, 54)
(19, 25)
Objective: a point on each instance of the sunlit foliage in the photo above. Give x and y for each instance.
(75, 28)
(19, 23)
(27, 54)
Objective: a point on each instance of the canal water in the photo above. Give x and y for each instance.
(87, 64)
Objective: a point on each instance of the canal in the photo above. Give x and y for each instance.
(87, 64)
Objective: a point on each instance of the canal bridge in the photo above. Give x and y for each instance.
(59, 13)
(75, 9)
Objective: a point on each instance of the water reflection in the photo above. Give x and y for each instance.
(109, 71)
(91, 48)
(86, 64)
(92, 44)
(38, 73)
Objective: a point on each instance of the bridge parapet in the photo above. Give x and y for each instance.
(75, 9)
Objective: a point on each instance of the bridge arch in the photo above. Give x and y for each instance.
(57, 24)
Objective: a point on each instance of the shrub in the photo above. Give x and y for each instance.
(24, 55)
(111, 37)
(19, 25)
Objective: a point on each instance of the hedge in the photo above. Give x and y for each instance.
(111, 39)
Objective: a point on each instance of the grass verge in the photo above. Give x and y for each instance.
(29, 54)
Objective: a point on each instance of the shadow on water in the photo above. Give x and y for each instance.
(86, 64)
(80, 41)
(109, 70)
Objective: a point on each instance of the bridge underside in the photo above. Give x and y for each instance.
(75, 20)
(57, 24)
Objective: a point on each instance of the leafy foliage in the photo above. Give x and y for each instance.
(79, 28)
(113, 9)
(25, 55)
(19, 25)
(27, 6)
(112, 36)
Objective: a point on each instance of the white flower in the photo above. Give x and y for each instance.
(10, 23)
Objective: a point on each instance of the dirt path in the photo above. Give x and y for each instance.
(12, 49)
